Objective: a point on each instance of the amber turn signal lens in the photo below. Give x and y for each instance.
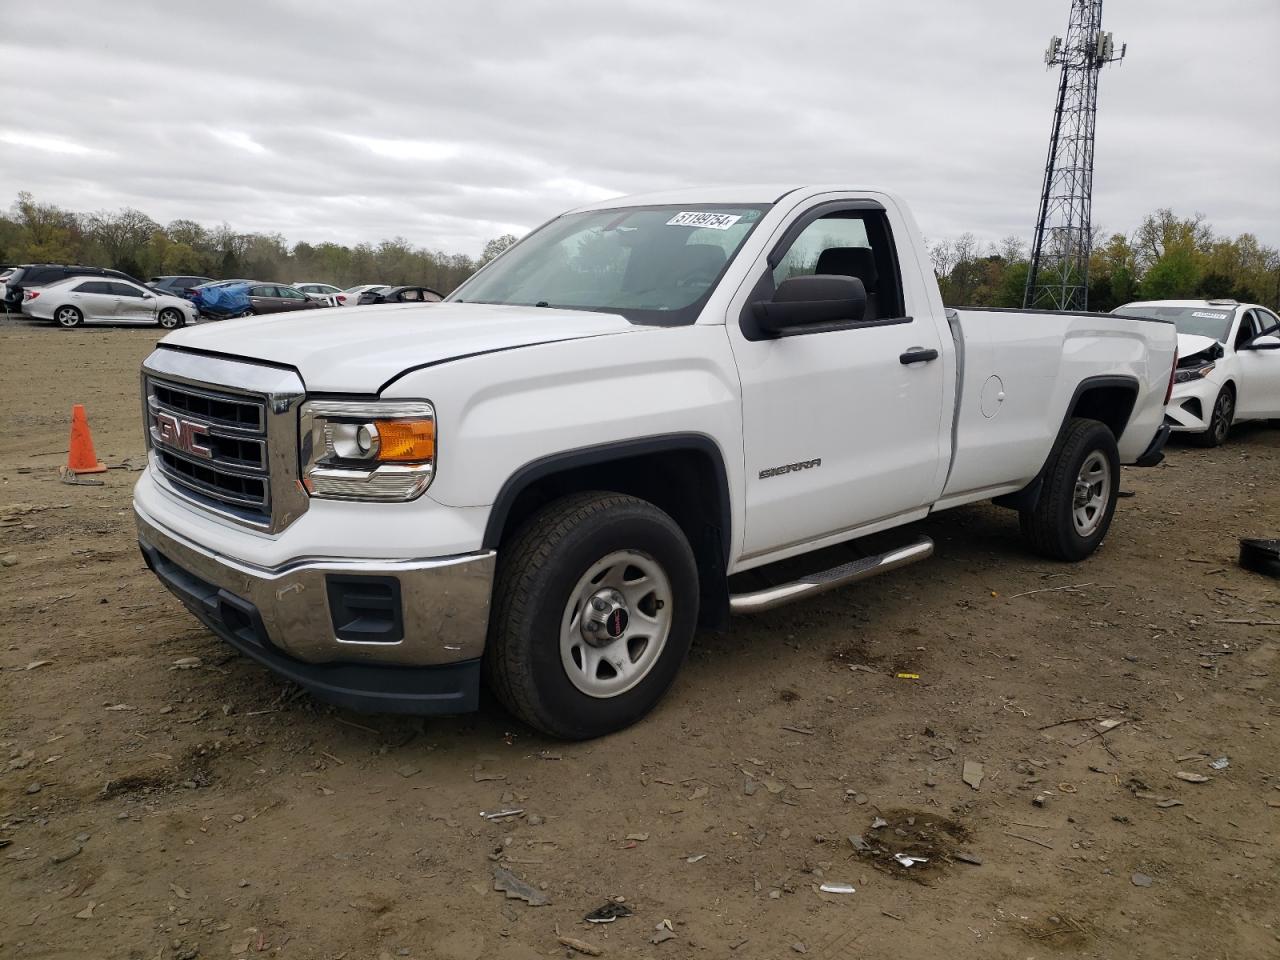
(406, 441)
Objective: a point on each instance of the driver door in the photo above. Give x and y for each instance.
(134, 304)
(840, 429)
(1259, 371)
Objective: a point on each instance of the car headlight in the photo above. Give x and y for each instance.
(1193, 373)
(381, 450)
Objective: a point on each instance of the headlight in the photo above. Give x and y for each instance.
(368, 450)
(1194, 373)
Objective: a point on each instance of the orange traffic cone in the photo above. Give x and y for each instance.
(81, 458)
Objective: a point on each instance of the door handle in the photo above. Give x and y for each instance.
(917, 355)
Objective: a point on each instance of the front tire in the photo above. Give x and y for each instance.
(595, 605)
(1078, 498)
(1224, 411)
(170, 318)
(68, 317)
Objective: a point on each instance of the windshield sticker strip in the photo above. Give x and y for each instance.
(712, 221)
(1210, 316)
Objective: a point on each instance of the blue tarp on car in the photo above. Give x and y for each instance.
(227, 300)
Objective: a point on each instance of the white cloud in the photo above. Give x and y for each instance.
(240, 139)
(35, 141)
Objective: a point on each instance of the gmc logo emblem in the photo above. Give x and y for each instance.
(181, 435)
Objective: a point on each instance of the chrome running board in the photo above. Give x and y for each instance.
(825, 580)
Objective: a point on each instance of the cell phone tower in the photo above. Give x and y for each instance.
(1059, 274)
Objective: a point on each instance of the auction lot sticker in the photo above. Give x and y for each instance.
(713, 221)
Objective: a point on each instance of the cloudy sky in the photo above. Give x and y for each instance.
(448, 123)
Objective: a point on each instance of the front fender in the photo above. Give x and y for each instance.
(500, 412)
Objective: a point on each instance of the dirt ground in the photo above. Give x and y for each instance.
(154, 806)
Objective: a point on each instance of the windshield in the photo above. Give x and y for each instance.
(650, 264)
(1212, 322)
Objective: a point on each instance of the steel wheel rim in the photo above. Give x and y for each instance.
(67, 317)
(623, 648)
(168, 319)
(1222, 418)
(1093, 490)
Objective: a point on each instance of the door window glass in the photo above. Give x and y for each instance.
(850, 243)
(92, 286)
(125, 289)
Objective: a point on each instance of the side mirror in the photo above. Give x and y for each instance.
(807, 301)
(1265, 342)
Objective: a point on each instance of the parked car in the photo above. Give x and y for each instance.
(277, 298)
(334, 296)
(658, 410)
(33, 275)
(178, 286)
(1228, 364)
(80, 300)
(400, 295)
(353, 294)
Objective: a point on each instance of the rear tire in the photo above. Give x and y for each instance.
(595, 605)
(1078, 498)
(1224, 411)
(68, 317)
(171, 318)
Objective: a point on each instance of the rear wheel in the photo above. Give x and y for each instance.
(595, 606)
(1078, 498)
(68, 317)
(1224, 411)
(171, 318)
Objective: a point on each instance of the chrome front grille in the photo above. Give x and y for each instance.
(212, 446)
(223, 435)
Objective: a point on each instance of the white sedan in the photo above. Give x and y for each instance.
(322, 291)
(1228, 364)
(80, 300)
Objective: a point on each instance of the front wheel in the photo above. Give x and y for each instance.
(1224, 411)
(68, 317)
(595, 605)
(1078, 498)
(170, 318)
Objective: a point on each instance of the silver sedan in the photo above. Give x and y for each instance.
(80, 300)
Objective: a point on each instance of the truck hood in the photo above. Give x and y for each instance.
(360, 349)
(1190, 344)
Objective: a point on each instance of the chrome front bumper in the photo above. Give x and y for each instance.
(443, 603)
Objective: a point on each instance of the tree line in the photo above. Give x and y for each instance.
(131, 241)
(1167, 257)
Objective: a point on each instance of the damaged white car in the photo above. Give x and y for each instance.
(1228, 364)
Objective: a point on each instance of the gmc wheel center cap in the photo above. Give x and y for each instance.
(605, 618)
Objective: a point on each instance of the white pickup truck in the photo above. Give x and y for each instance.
(649, 414)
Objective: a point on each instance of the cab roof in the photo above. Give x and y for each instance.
(768, 193)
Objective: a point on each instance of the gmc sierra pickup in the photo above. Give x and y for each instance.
(649, 414)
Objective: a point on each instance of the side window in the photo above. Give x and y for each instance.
(92, 286)
(1248, 328)
(410, 294)
(289, 293)
(1270, 323)
(263, 291)
(124, 289)
(851, 243)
